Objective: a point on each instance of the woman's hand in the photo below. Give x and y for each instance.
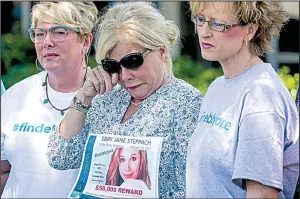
(98, 81)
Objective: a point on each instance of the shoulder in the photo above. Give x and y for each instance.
(267, 92)
(184, 98)
(23, 87)
(184, 90)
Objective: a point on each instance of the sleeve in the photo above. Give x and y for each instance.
(185, 124)
(62, 154)
(259, 155)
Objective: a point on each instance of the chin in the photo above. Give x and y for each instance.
(50, 67)
(209, 56)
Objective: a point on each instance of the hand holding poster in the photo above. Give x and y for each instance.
(119, 166)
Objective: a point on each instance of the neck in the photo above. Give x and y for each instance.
(66, 81)
(239, 63)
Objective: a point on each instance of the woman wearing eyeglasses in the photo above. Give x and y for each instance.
(133, 46)
(62, 36)
(246, 142)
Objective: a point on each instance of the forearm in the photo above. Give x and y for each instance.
(4, 177)
(74, 119)
(257, 190)
(5, 169)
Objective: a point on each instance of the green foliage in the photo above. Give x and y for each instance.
(195, 73)
(291, 81)
(18, 73)
(16, 48)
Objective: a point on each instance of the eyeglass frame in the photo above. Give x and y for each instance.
(66, 28)
(142, 54)
(225, 25)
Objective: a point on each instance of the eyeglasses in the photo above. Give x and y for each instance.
(131, 61)
(57, 33)
(213, 24)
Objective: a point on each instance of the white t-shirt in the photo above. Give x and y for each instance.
(26, 124)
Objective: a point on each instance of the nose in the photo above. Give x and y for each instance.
(47, 41)
(126, 74)
(127, 166)
(204, 31)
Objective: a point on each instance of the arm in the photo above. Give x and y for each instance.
(186, 123)
(258, 190)
(66, 144)
(5, 169)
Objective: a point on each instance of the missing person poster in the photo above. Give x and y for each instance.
(119, 167)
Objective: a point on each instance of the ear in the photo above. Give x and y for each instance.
(87, 42)
(162, 53)
(250, 31)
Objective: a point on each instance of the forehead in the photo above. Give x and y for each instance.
(129, 151)
(221, 10)
(47, 21)
(124, 48)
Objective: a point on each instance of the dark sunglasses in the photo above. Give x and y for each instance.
(131, 61)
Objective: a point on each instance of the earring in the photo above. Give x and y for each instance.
(36, 65)
(246, 42)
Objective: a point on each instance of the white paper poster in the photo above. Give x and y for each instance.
(119, 167)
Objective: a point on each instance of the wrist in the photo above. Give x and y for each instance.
(81, 106)
(85, 100)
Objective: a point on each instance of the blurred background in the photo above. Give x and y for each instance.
(18, 53)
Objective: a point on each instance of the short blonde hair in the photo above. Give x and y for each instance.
(82, 15)
(270, 17)
(137, 23)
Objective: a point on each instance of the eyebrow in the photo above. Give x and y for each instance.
(211, 18)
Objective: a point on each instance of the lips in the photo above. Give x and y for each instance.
(49, 55)
(132, 87)
(128, 175)
(206, 45)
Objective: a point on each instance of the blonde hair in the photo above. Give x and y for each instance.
(82, 15)
(270, 17)
(137, 23)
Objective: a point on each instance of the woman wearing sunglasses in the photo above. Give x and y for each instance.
(133, 46)
(246, 144)
(61, 33)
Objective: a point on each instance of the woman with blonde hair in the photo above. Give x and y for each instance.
(246, 144)
(127, 164)
(62, 36)
(134, 44)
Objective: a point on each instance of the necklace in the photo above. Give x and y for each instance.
(136, 104)
(47, 100)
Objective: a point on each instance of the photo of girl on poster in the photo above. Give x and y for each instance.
(129, 168)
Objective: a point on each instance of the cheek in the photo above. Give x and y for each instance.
(230, 39)
(121, 167)
(232, 33)
(38, 49)
(135, 166)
